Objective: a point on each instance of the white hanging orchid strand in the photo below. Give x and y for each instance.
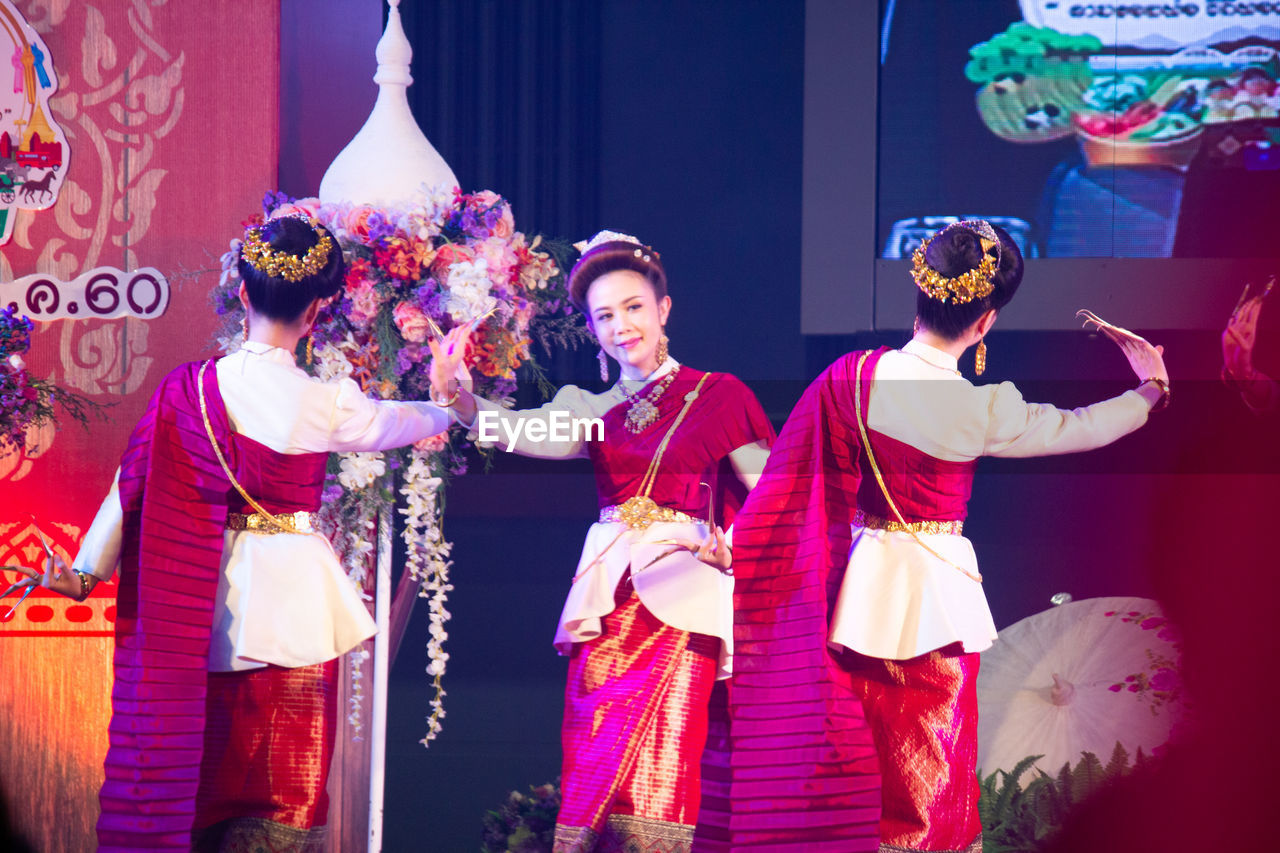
(427, 561)
(357, 551)
(361, 470)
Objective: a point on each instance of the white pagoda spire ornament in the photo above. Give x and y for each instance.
(389, 158)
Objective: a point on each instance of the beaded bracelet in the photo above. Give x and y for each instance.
(1165, 393)
(447, 403)
(84, 584)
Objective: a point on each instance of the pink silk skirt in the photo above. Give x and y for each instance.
(635, 724)
(923, 714)
(269, 738)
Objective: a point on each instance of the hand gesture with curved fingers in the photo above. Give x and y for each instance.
(447, 361)
(1241, 334)
(712, 550)
(56, 576)
(1146, 361)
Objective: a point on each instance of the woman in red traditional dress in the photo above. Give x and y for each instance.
(855, 580)
(232, 610)
(648, 622)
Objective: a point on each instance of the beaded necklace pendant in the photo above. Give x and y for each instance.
(643, 411)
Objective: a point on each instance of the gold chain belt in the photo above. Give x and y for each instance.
(294, 522)
(875, 522)
(640, 511)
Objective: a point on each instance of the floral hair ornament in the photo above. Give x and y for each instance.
(279, 264)
(976, 283)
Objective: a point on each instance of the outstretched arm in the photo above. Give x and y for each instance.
(1018, 428)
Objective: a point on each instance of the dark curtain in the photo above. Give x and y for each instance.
(508, 92)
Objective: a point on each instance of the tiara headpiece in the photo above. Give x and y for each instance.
(584, 246)
(641, 251)
(977, 283)
(258, 254)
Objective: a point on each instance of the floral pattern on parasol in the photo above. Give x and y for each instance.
(1078, 678)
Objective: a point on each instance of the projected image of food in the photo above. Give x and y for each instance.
(1104, 129)
(1039, 84)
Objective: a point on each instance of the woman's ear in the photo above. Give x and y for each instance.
(986, 321)
(313, 311)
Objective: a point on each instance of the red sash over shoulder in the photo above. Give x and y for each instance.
(803, 768)
(174, 495)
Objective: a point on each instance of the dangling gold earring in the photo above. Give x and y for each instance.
(980, 358)
(310, 350)
(662, 352)
(244, 327)
(604, 365)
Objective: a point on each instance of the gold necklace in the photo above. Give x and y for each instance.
(644, 410)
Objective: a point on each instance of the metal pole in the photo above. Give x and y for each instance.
(381, 660)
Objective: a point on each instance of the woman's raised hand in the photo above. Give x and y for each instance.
(1239, 337)
(1147, 361)
(447, 365)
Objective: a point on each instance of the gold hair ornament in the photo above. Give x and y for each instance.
(960, 290)
(259, 255)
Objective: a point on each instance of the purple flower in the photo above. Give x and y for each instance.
(380, 227)
(331, 494)
(273, 199)
(408, 356)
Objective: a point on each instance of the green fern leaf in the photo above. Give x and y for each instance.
(1119, 763)
(1087, 777)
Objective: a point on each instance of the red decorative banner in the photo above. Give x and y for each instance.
(154, 194)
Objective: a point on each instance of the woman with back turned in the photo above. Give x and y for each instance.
(854, 578)
(232, 609)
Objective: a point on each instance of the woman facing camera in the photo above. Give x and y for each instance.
(648, 621)
(886, 612)
(232, 609)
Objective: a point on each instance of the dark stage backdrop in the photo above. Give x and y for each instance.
(682, 122)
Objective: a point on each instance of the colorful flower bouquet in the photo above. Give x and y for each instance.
(26, 401)
(443, 260)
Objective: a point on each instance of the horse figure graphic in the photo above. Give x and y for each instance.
(41, 187)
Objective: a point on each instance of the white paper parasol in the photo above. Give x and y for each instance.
(1077, 678)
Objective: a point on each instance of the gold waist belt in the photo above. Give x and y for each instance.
(639, 512)
(294, 522)
(875, 522)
